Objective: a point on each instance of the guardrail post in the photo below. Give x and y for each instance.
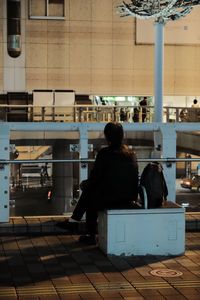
(169, 151)
(83, 151)
(4, 173)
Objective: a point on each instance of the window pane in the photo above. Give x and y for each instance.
(56, 8)
(56, 1)
(38, 8)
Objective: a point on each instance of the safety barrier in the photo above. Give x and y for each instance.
(167, 139)
(94, 113)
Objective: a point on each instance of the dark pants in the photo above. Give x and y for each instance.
(86, 205)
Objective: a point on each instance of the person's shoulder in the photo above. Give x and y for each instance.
(103, 151)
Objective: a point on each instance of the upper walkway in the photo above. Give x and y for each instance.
(94, 113)
(187, 141)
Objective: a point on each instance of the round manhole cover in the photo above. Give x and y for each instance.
(166, 273)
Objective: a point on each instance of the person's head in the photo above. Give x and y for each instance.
(195, 101)
(114, 134)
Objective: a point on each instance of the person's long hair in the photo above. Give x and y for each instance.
(114, 135)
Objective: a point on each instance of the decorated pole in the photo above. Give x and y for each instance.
(158, 70)
(161, 11)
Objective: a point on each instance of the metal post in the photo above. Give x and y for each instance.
(83, 151)
(62, 178)
(158, 72)
(169, 151)
(4, 173)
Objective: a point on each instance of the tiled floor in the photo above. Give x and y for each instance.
(49, 265)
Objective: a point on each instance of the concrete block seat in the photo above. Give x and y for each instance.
(159, 231)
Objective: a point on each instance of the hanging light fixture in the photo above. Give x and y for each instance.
(14, 27)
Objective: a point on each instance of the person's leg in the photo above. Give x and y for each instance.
(91, 227)
(81, 206)
(84, 205)
(80, 209)
(91, 221)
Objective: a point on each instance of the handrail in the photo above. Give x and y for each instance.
(85, 105)
(97, 113)
(86, 160)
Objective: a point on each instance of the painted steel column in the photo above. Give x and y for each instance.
(169, 151)
(62, 177)
(14, 174)
(83, 152)
(158, 70)
(4, 172)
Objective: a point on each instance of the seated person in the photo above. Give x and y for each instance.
(143, 104)
(113, 182)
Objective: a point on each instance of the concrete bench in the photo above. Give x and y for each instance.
(159, 231)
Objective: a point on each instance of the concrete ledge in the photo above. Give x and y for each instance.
(159, 231)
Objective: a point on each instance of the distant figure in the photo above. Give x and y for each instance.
(113, 183)
(143, 104)
(195, 103)
(44, 174)
(194, 112)
(103, 102)
(123, 115)
(184, 115)
(188, 166)
(136, 114)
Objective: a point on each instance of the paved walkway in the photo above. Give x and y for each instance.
(53, 265)
(46, 224)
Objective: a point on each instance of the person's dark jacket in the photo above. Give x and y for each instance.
(114, 178)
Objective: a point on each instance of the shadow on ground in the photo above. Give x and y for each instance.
(32, 259)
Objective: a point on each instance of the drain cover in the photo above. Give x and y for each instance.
(166, 273)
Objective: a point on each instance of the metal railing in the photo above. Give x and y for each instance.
(94, 113)
(30, 181)
(87, 160)
(36, 179)
(164, 134)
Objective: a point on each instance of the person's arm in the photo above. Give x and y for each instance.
(136, 178)
(98, 171)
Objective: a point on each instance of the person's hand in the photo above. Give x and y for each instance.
(84, 184)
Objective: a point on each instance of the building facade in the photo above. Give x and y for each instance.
(90, 49)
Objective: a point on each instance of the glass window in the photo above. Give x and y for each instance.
(46, 9)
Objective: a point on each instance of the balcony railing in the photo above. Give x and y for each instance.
(165, 134)
(94, 113)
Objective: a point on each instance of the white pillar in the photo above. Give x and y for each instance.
(62, 178)
(4, 172)
(83, 151)
(169, 151)
(158, 70)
